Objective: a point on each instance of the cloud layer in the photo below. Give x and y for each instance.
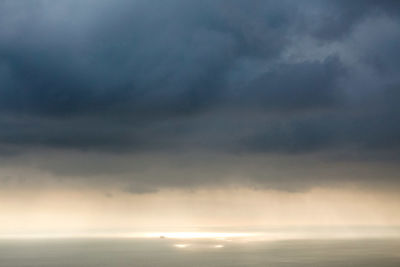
(135, 81)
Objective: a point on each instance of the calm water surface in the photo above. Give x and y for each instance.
(168, 252)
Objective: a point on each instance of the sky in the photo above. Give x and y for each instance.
(132, 113)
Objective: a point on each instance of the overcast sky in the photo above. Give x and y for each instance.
(149, 95)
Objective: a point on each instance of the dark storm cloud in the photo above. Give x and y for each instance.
(139, 61)
(258, 78)
(288, 87)
(139, 57)
(335, 20)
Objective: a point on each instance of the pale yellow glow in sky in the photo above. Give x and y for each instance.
(77, 212)
(191, 235)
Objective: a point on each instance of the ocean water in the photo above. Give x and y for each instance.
(211, 252)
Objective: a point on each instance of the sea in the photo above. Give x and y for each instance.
(155, 252)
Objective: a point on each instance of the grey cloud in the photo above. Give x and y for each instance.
(333, 21)
(141, 57)
(128, 78)
(297, 86)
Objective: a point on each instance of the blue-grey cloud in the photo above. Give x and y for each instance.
(228, 77)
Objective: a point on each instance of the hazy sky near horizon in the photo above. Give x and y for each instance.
(142, 97)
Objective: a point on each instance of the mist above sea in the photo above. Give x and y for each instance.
(205, 250)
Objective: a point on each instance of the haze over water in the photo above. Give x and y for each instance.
(207, 253)
(367, 247)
